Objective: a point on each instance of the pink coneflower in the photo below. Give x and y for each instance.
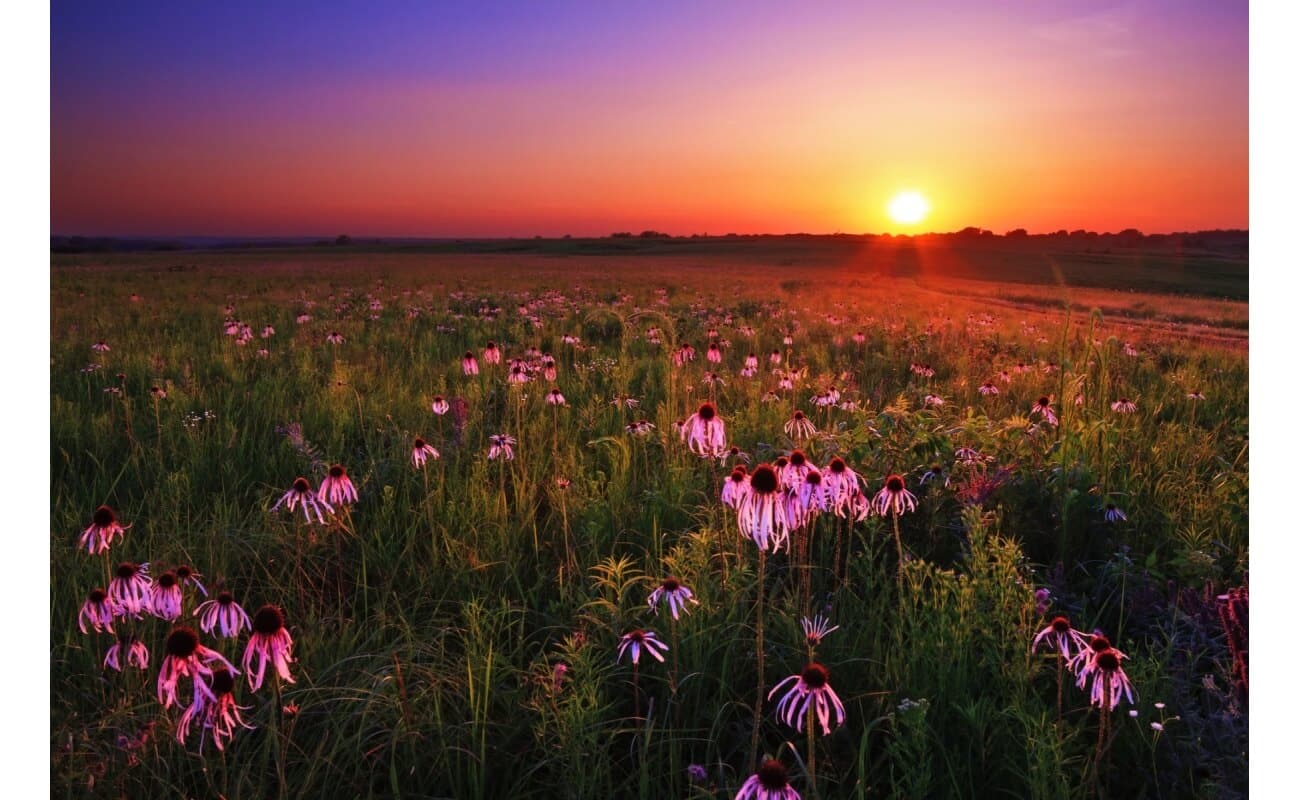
(817, 629)
(676, 593)
(771, 782)
(625, 401)
(714, 354)
(1044, 407)
(129, 589)
(100, 347)
(894, 497)
(936, 474)
(224, 614)
(301, 492)
(555, 398)
(548, 367)
(501, 445)
(97, 611)
(1115, 513)
(302, 319)
(422, 452)
(812, 688)
(1109, 682)
(189, 577)
(1060, 637)
(794, 469)
(440, 405)
(735, 487)
(774, 357)
(185, 658)
(988, 388)
(799, 427)
(518, 373)
(129, 649)
(704, 432)
(1195, 396)
(1042, 600)
(268, 332)
(969, 455)
(219, 715)
(337, 488)
(760, 514)
(271, 642)
(165, 597)
(639, 640)
(491, 353)
(1123, 406)
(157, 393)
(751, 362)
(469, 364)
(334, 338)
(103, 529)
(642, 427)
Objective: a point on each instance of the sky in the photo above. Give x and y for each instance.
(535, 118)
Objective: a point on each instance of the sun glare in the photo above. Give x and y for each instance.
(908, 208)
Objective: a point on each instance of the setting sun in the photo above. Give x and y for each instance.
(908, 208)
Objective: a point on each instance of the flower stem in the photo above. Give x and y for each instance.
(758, 645)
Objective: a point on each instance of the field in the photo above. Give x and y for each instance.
(456, 631)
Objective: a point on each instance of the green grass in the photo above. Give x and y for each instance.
(428, 624)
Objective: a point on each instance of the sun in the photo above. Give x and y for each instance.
(908, 208)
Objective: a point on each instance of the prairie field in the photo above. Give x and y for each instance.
(1031, 445)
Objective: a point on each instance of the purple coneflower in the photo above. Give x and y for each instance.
(842, 485)
(988, 388)
(185, 658)
(127, 649)
(189, 577)
(335, 338)
(704, 432)
(735, 487)
(817, 629)
(771, 782)
(894, 497)
(800, 427)
(1060, 636)
(676, 593)
(1123, 406)
(555, 398)
(268, 332)
(219, 714)
(224, 614)
(1044, 407)
(502, 445)
(936, 474)
(759, 512)
(97, 611)
(100, 347)
(440, 405)
(1103, 668)
(103, 529)
(421, 452)
(165, 597)
(301, 492)
(129, 589)
(794, 470)
(812, 688)
(1195, 396)
(270, 641)
(637, 640)
(337, 488)
(469, 364)
(1115, 513)
(491, 353)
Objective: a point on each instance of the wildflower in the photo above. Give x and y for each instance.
(129, 589)
(705, 433)
(696, 773)
(158, 393)
(337, 488)
(1133, 712)
(563, 483)
(805, 500)
(100, 347)
(185, 658)
(812, 688)
(469, 364)
(188, 577)
(555, 398)
(127, 648)
(491, 353)
(775, 357)
(968, 455)
(1109, 682)
(771, 397)
(1060, 636)
(676, 593)
(1123, 406)
(799, 427)
(642, 427)
(1042, 600)
(224, 614)
(97, 611)
(936, 474)
(502, 445)
(1195, 396)
(548, 367)
(302, 319)
(751, 362)
(714, 353)
(165, 597)
(759, 513)
(440, 405)
(637, 640)
(626, 402)
(518, 373)
(334, 338)
(270, 641)
(1115, 514)
(268, 332)
(735, 487)
(104, 527)
(219, 714)
(301, 492)
(816, 629)
(771, 782)
(894, 497)
(842, 485)
(421, 452)
(988, 388)
(1044, 407)
(794, 470)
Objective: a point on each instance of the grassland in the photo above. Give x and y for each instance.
(429, 620)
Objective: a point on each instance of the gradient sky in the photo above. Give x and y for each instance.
(422, 119)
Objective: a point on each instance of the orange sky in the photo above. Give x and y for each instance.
(1120, 116)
